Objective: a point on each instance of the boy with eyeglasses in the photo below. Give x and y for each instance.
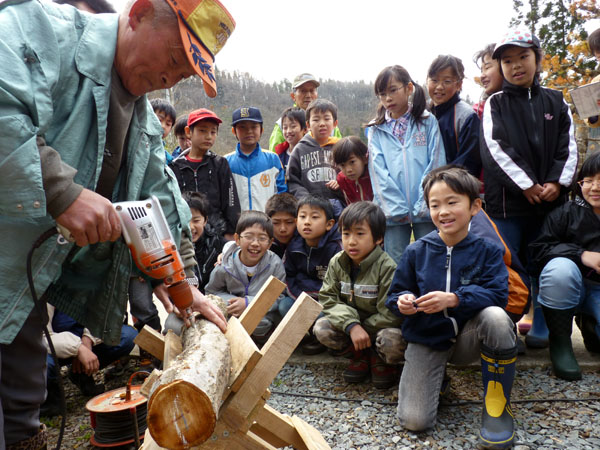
(245, 268)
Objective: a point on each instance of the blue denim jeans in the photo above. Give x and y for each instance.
(397, 236)
(419, 390)
(518, 232)
(562, 287)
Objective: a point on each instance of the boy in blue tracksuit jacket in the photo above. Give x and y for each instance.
(451, 287)
(258, 174)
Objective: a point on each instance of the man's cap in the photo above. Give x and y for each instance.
(205, 26)
(520, 38)
(246, 113)
(202, 114)
(304, 78)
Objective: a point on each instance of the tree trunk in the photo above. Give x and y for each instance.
(185, 400)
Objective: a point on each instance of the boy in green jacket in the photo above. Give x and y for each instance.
(353, 295)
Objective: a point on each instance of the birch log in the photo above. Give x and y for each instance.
(185, 400)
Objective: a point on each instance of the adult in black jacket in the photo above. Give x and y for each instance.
(567, 253)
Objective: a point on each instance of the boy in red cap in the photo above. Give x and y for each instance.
(199, 170)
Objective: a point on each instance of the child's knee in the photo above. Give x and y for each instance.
(390, 345)
(263, 328)
(414, 418)
(496, 330)
(560, 284)
(327, 335)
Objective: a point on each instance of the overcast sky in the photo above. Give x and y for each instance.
(353, 40)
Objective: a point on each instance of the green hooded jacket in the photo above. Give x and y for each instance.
(367, 306)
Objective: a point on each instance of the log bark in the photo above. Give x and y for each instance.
(185, 400)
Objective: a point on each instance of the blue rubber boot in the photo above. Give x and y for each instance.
(537, 337)
(497, 421)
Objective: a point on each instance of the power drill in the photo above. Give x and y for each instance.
(153, 249)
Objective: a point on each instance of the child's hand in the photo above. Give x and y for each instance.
(533, 194)
(436, 301)
(550, 192)
(360, 338)
(406, 304)
(219, 260)
(236, 306)
(333, 185)
(591, 260)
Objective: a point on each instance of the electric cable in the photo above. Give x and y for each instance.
(455, 403)
(43, 313)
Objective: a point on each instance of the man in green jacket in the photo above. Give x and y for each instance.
(304, 90)
(76, 134)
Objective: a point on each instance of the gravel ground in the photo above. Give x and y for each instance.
(362, 417)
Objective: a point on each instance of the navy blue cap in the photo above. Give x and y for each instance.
(246, 113)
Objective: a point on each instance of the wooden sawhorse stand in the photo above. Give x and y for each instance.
(245, 420)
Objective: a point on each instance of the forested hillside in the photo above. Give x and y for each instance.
(356, 103)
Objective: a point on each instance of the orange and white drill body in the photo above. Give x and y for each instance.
(146, 232)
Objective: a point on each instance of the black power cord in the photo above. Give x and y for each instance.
(455, 403)
(43, 313)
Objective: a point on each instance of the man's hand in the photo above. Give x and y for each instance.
(208, 309)
(436, 301)
(406, 304)
(162, 294)
(550, 192)
(91, 218)
(236, 306)
(87, 361)
(591, 260)
(533, 194)
(360, 338)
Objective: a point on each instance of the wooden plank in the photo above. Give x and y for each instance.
(149, 443)
(275, 352)
(152, 341)
(311, 437)
(172, 348)
(277, 429)
(267, 295)
(149, 382)
(244, 354)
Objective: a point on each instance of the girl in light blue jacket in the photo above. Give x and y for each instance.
(404, 146)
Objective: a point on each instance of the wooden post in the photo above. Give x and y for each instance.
(276, 352)
(267, 295)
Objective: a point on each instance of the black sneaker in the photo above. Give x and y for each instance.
(312, 346)
(587, 325)
(86, 384)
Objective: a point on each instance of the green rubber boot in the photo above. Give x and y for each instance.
(560, 325)
(497, 421)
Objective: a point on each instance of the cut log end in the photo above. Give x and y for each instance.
(180, 416)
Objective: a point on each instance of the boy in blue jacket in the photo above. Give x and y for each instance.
(258, 174)
(308, 254)
(451, 287)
